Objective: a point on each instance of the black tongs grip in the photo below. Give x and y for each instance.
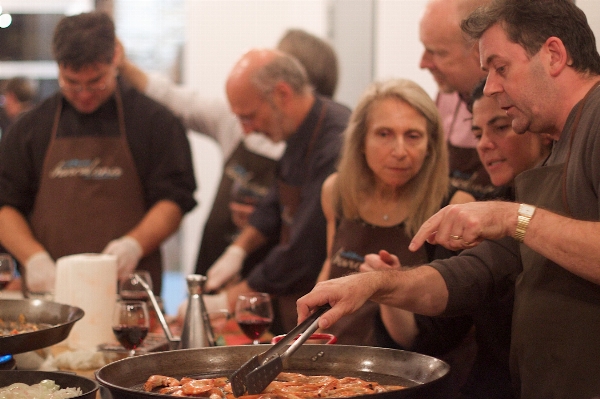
(258, 372)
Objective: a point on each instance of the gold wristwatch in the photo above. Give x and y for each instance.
(524, 217)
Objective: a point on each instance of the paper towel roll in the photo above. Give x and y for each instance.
(88, 281)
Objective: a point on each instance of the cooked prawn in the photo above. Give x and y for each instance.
(160, 381)
(204, 388)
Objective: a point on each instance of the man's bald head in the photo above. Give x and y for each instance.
(450, 56)
(270, 92)
(263, 68)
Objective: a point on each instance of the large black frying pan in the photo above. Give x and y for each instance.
(64, 380)
(60, 317)
(423, 374)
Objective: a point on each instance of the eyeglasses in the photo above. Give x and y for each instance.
(78, 88)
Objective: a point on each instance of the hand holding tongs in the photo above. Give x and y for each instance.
(258, 372)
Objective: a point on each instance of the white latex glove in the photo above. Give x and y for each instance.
(41, 272)
(228, 265)
(128, 252)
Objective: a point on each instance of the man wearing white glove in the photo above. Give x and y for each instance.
(128, 252)
(270, 93)
(225, 268)
(96, 167)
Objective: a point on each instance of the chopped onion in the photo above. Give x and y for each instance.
(47, 389)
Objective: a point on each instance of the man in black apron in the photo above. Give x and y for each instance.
(91, 169)
(269, 92)
(546, 76)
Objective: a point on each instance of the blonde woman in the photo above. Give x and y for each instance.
(392, 176)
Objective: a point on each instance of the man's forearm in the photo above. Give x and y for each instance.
(134, 75)
(16, 235)
(250, 239)
(420, 290)
(575, 245)
(157, 225)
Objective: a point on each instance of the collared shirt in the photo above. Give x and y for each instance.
(294, 267)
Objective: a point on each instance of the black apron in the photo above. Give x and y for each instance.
(362, 238)
(243, 168)
(290, 197)
(90, 193)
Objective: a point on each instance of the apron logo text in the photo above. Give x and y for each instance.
(345, 262)
(85, 168)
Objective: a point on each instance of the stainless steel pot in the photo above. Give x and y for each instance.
(423, 375)
(64, 380)
(61, 317)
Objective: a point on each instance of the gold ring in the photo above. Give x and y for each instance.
(455, 237)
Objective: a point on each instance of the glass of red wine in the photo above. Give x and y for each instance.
(254, 314)
(7, 270)
(130, 323)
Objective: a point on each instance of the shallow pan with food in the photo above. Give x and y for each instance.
(61, 319)
(64, 380)
(424, 376)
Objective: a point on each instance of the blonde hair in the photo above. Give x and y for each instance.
(355, 179)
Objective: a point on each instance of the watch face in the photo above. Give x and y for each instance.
(526, 210)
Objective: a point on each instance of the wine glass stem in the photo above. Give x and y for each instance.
(132, 353)
(255, 342)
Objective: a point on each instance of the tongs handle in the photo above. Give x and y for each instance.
(307, 328)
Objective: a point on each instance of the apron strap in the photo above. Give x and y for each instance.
(315, 135)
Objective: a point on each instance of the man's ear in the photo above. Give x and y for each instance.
(282, 94)
(119, 55)
(557, 54)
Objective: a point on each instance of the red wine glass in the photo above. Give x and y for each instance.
(131, 324)
(254, 314)
(7, 270)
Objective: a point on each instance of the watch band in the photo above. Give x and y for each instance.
(524, 217)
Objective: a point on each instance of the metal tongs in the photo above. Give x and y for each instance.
(258, 372)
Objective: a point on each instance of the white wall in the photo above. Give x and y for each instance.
(398, 49)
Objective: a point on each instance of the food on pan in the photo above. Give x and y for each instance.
(285, 386)
(46, 389)
(12, 327)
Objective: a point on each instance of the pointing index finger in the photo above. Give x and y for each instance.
(427, 232)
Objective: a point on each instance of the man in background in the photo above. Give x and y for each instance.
(96, 167)
(269, 92)
(18, 95)
(453, 61)
(249, 160)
